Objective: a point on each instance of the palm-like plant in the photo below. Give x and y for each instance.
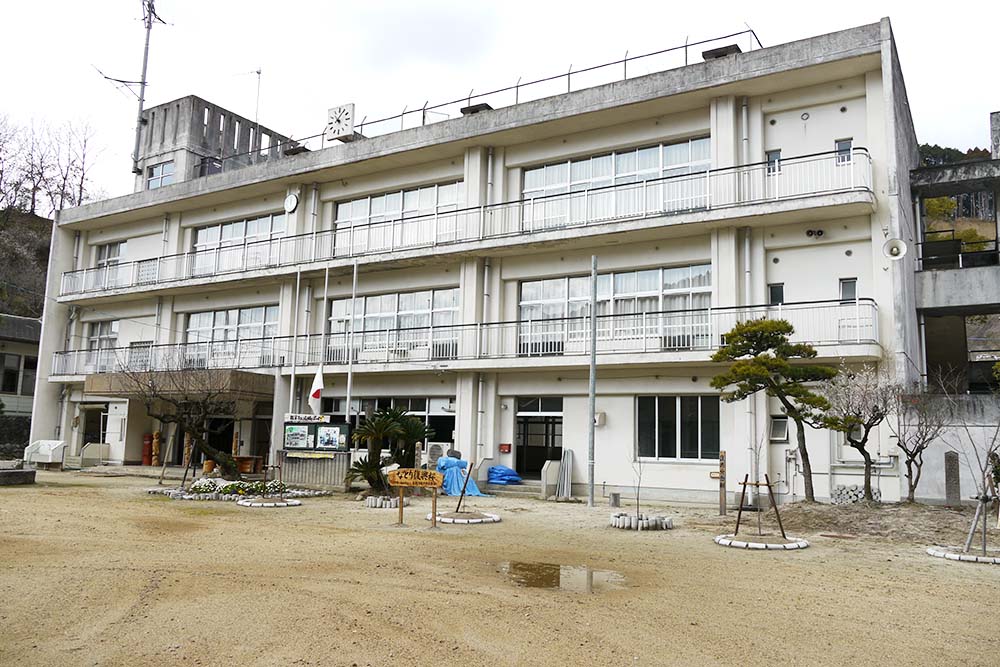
(370, 470)
(414, 430)
(378, 428)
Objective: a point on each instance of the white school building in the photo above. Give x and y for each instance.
(750, 183)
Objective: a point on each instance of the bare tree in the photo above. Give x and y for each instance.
(860, 398)
(975, 435)
(918, 420)
(185, 396)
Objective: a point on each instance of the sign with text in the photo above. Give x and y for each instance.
(415, 477)
(291, 418)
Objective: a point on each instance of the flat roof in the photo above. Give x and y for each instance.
(816, 59)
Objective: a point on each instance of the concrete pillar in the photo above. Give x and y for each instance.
(47, 410)
(282, 389)
(724, 131)
(726, 260)
(995, 135)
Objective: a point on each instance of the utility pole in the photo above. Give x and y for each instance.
(592, 387)
(148, 16)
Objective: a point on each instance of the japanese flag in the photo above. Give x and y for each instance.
(316, 391)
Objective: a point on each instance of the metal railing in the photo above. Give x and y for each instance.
(954, 253)
(822, 173)
(817, 323)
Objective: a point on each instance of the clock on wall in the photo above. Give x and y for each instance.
(340, 122)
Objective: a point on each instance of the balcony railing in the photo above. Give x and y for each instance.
(703, 330)
(823, 173)
(954, 253)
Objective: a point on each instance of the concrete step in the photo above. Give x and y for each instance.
(532, 490)
(71, 462)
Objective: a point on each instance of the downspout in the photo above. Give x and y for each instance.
(748, 299)
(480, 445)
(315, 219)
(295, 338)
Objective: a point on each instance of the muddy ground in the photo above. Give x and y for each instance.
(93, 571)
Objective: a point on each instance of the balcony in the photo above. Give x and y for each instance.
(958, 276)
(523, 220)
(840, 329)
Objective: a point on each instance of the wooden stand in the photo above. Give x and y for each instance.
(770, 495)
(434, 508)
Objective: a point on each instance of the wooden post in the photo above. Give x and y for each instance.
(400, 506)
(722, 483)
(434, 507)
(770, 493)
(156, 448)
(739, 512)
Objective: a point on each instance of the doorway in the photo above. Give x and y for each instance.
(538, 435)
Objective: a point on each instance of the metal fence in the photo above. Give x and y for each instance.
(807, 175)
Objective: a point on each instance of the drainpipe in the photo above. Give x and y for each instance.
(315, 217)
(480, 445)
(747, 300)
(76, 250)
(746, 130)
(295, 337)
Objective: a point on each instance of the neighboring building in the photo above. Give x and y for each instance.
(18, 372)
(754, 184)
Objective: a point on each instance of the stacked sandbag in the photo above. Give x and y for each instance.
(502, 475)
(629, 521)
(847, 494)
(385, 502)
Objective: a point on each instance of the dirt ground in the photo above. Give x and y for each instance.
(93, 571)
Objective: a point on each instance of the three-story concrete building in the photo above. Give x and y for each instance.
(756, 184)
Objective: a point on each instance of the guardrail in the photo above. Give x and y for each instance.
(954, 253)
(807, 175)
(817, 323)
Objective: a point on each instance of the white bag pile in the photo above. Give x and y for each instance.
(846, 494)
(629, 521)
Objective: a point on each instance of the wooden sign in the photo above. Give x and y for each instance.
(415, 477)
(404, 477)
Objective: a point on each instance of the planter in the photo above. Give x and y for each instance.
(208, 466)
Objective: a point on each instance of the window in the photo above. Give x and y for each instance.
(539, 405)
(28, 376)
(643, 291)
(677, 427)
(102, 335)
(110, 254)
(626, 166)
(844, 150)
(779, 428)
(408, 310)
(10, 371)
(233, 324)
(775, 293)
(399, 205)
(159, 175)
(773, 159)
(633, 165)
(238, 245)
(848, 289)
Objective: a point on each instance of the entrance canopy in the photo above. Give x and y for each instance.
(232, 385)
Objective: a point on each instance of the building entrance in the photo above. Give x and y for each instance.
(538, 434)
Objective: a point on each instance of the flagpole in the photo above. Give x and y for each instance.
(350, 343)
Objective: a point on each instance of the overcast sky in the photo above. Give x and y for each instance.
(386, 55)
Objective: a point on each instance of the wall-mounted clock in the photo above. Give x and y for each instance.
(291, 203)
(339, 122)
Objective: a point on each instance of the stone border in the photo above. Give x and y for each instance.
(487, 518)
(629, 521)
(180, 494)
(733, 543)
(940, 552)
(260, 502)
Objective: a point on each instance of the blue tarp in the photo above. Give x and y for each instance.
(502, 475)
(452, 469)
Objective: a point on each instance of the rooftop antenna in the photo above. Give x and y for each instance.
(149, 15)
(256, 119)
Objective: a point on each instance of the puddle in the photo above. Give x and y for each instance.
(570, 578)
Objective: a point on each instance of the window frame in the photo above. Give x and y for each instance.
(775, 419)
(678, 429)
(848, 281)
(844, 156)
(773, 160)
(771, 301)
(158, 176)
(358, 212)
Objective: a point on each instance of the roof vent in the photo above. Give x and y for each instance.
(721, 52)
(475, 108)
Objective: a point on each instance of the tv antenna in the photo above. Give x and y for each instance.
(149, 16)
